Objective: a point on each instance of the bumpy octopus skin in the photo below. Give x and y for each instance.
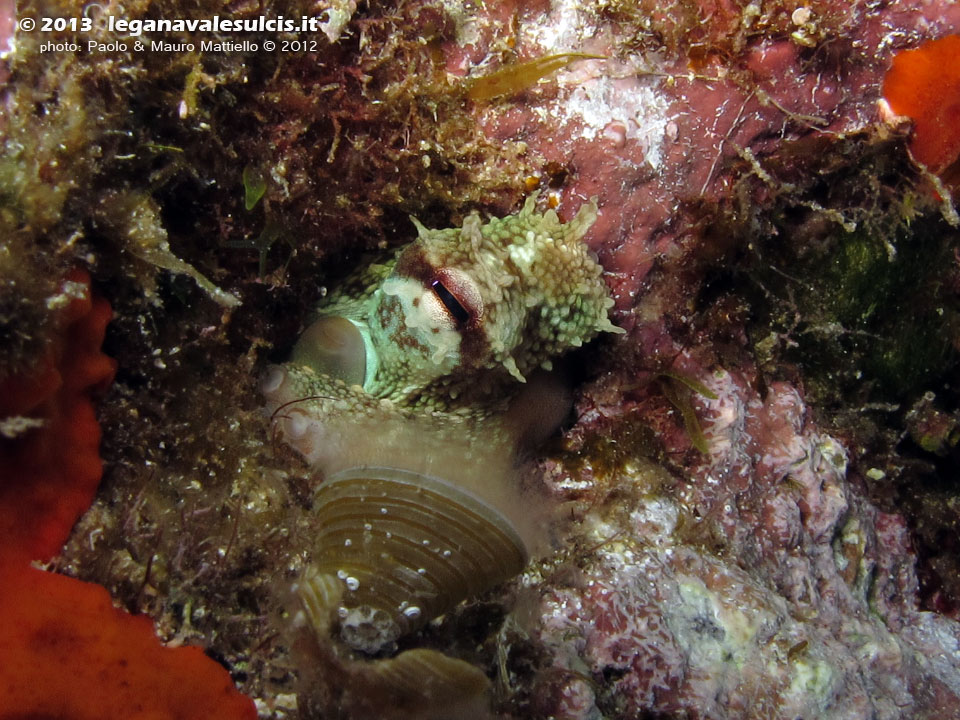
(408, 396)
(447, 330)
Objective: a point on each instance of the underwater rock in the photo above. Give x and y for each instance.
(655, 130)
(67, 652)
(721, 557)
(756, 579)
(757, 582)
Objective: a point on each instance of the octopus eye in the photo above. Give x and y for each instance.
(456, 309)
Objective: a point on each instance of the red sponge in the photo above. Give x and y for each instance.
(69, 654)
(65, 651)
(924, 84)
(48, 476)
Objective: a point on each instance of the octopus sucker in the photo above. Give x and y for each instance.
(410, 395)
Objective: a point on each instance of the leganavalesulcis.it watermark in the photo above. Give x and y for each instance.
(148, 26)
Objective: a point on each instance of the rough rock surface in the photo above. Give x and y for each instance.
(757, 492)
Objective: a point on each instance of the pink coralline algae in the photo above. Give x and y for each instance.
(790, 596)
(651, 132)
(756, 580)
(732, 540)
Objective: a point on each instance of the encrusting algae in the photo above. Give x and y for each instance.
(733, 148)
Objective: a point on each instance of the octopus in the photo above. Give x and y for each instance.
(410, 395)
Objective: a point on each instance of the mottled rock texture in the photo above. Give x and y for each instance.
(756, 500)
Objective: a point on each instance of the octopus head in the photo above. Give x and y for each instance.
(507, 295)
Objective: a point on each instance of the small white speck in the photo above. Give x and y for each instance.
(801, 16)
